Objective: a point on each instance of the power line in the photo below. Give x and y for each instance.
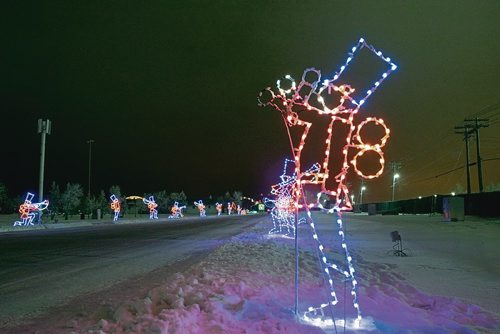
(488, 110)
(457, 168)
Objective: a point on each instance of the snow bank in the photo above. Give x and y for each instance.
(242, 288)
(247, 286)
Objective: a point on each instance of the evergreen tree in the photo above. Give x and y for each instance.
(182, 198)
(55, 198)
(90, 205)
(237, 197)
(179, 198)
(3, 198)
(162, 199)
(103, 202)
(116, 191)
(71, 199)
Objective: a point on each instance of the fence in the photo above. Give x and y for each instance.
(479, 204)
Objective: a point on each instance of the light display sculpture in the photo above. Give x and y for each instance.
(283, 205)
(231, 206)
(282, 215)
(311, 109)
(218, 207)
(176, 211)
(29, 211)
(201, 208)
(115, 206)
(150, 202)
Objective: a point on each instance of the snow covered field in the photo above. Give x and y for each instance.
(449, 283)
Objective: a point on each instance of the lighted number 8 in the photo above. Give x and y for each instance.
(377, 148)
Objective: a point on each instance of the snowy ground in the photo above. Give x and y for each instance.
(450, 283)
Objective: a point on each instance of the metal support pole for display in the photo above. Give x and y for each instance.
(296, 223)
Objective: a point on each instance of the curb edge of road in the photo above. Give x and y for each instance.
(81, 223)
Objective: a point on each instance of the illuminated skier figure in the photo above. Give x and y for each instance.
(28, 210)
(218, 207)
(176, 211)
(308, 111)
(201, 207)
(150, 202)
(115, 206)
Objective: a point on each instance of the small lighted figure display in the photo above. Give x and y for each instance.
(150, 202)
(238, 209)
(29, 211)
(311, 110)
(201, 208)
(282, 215)
(115, 206)
(231, 207)
(282, 207)
(176, 211)
(218, 207)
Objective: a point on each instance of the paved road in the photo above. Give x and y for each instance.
(45, 268)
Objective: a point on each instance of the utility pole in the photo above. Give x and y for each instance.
(44, 128)
(467, 134)
(90, 141)
(476, 124)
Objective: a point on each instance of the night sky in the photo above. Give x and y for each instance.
(167, 90)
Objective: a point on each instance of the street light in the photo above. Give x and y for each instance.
(90, 141)
(363, 188)
(394, 184)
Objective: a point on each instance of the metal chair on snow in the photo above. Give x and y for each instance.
(397, 247)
